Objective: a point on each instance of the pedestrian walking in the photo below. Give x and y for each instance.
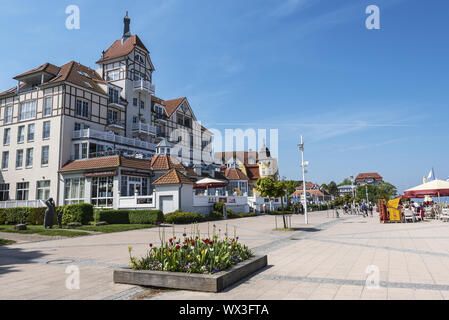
(371, 208)
(364, 210)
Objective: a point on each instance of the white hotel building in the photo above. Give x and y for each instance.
(58, 116)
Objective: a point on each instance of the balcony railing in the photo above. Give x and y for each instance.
(115, 102)
(146, 128)
(116, 123)
(113, 138)
(160, 116)
(144, 86)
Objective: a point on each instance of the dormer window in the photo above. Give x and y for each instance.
(83, 73)
(88, 84)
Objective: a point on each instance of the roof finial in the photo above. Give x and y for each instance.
(126, 31)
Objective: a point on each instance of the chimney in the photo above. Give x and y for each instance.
(126, 31)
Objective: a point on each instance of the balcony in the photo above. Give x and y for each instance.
(144, 86)
(144, 128)
(114, 102)
(160, 117)
(112, 138)
(115, 123)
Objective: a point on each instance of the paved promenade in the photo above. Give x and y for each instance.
(326, 259)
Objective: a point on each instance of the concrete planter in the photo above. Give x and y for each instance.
(197, 282)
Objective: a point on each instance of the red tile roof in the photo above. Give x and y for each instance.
(46, 67)
(70, 72)
(253, 171)
(165, 162)
(243, 156)
(119, 49)
(172, 105)
(372, 175)
(173, 177)
(106, 162)
(94, 163)
(235, 174)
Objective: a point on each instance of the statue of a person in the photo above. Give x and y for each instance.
(49, 213)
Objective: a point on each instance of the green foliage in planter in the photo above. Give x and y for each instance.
(146, 217)
(193, 255)
(179, 217)
(113, 216)
(82, 213)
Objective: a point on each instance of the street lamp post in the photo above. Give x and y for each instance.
(303, 165)
(366, 189)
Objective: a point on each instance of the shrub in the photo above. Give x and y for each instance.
(16, 215)
(112, 216)
(235, 215)
(218, 206)
(214, 215)
(82, 213)
(2, 216)
(179, 217)
(146, 217)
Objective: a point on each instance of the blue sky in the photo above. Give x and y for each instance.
(365, 100)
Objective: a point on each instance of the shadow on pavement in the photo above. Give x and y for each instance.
(16, 256)
(247, 278)
(307, 229)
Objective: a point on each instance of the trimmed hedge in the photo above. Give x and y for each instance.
(179, 217)
(81, 212)
(112, 216)
(30, 216)
(129, 216)
(2, 216)
(146, 217)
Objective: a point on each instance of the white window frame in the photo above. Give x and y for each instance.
(46, 133)
(21, 134)
(48, 106)
(29, 158)
(5, 160)
(69, 185)
(19, 164)
(33, 131)
(8, 114)
(7, 136)
(27, 110)
(83, 108)
(43, 154)
(45, 189)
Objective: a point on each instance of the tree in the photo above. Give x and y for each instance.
(332, 188)
(291, 186)
(346, 182)
(386, 191)
(269, 188)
